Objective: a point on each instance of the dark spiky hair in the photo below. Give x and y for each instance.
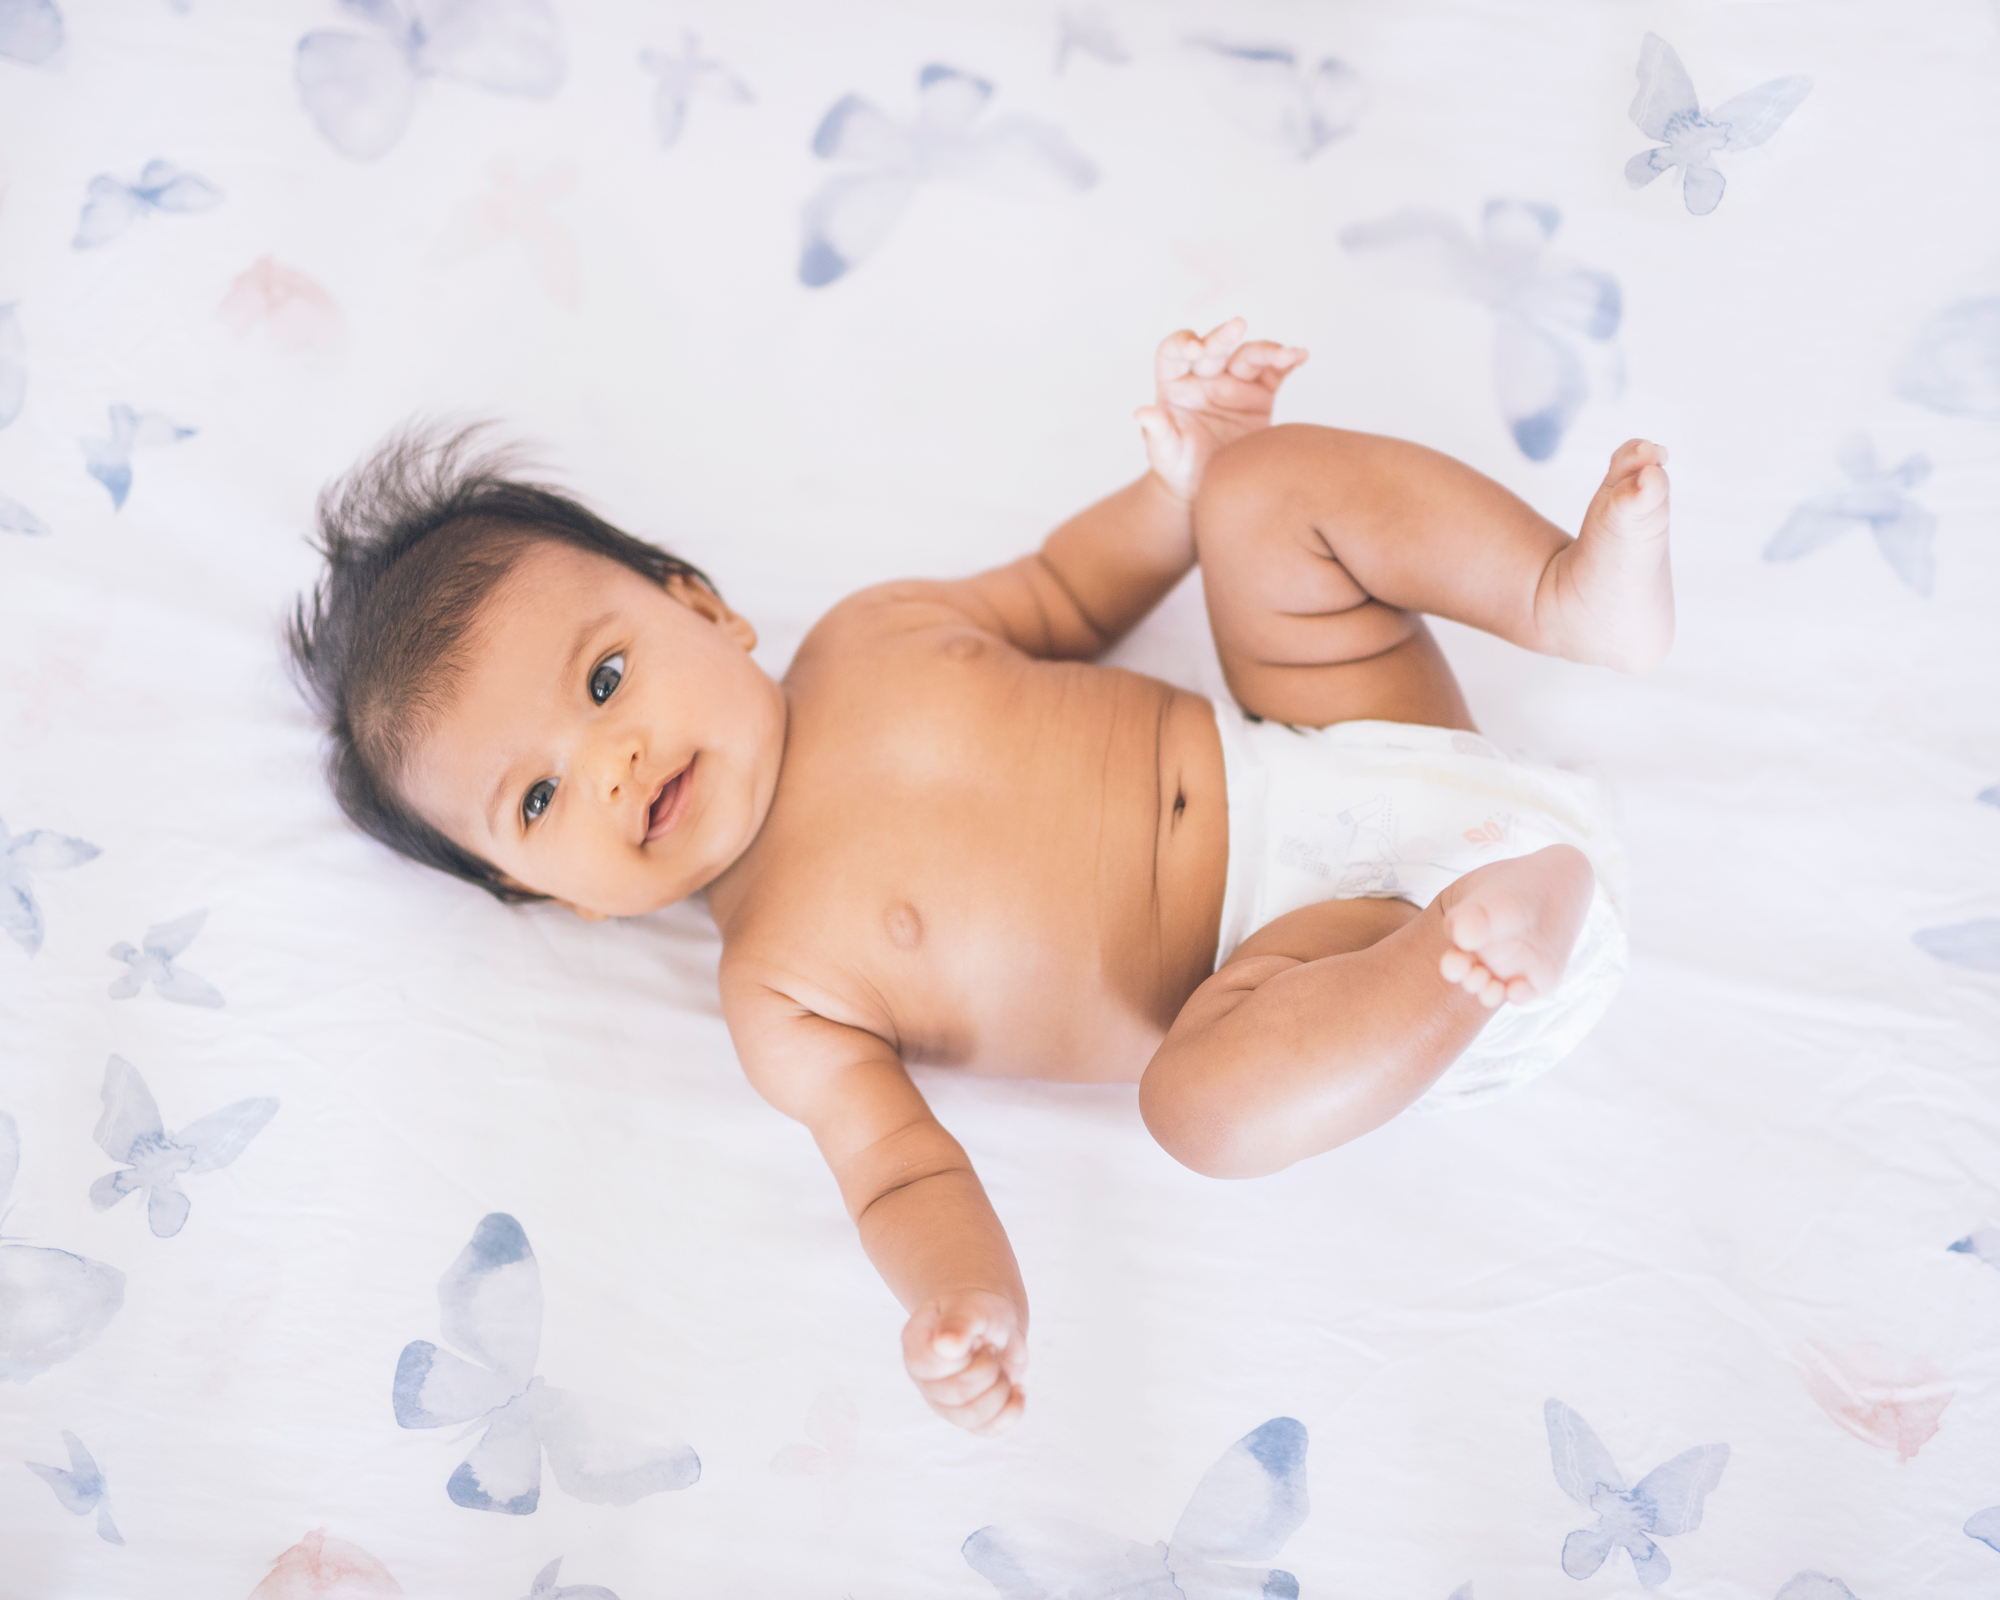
(416, 538)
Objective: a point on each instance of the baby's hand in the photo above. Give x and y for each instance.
(967, 1352)
(1211, 392)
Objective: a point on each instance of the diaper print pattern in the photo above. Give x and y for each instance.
(1355, 851)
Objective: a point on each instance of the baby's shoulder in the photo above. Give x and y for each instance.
(908, 618)
(773, 974)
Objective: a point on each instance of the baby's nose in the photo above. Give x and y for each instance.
(615, 769)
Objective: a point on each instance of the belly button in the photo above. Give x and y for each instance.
(964, 647)
(906, 928)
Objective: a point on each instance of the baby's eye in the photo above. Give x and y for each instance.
(606, 678)
(538, 798)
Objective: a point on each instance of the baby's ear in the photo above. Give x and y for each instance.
(705, 602)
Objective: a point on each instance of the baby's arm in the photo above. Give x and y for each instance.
(922, 1213)
(1102, 571)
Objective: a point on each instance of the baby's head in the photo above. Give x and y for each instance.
(522, 695)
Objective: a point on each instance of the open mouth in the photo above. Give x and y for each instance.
(670, 802)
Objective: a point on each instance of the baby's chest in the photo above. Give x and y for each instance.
(972, 893)
(936, 913)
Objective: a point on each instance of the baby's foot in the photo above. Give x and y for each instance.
(1608, 598)
(1511, 924)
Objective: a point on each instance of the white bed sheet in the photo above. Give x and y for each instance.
(1734, 1217)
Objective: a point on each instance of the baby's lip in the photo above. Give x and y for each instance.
(670, 802)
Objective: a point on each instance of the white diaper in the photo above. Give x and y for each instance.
(1391, 810)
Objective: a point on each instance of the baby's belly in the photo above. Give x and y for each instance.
(1037, 906)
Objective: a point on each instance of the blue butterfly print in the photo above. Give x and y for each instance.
(1984, 1526)
(130, 1131)
(1954, 364)
(30, 30)
(1086, 30)
(80, 1487)
(855, 211)
(1666, 109)
(109, 461)
(545, 1587)
(17, 518)
(154, 963)
(1983, 1244)
(361, 88)
(55, 1302)
(1974, 944)
(22, 854)
(1876, 500)
(1667, 1501)
(1241, 1513)
(1462, 1592)
(13, 370)
(1275, 96)
(679, 79)
(1542, 304)
(1814, 1586)
(111, 205)
(490, 1306)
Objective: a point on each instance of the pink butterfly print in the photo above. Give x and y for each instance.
(1876, 1395)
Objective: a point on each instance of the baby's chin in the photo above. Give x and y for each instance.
(627, 901)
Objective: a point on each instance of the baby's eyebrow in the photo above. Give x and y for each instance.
(493, 801)
(583, 636)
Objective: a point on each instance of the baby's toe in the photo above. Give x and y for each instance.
(1476, 979)
(1470, 925)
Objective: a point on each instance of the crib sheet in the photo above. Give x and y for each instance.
(325, 1175)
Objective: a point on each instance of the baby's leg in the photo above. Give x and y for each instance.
(1328, 1021)
(1318, 546)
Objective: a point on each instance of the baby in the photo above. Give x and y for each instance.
(947, 837)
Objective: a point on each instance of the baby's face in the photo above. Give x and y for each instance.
(610, 742)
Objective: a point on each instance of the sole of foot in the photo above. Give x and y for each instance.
(1607, 598)
(1512, 924)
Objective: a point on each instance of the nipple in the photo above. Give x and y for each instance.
(906, 928)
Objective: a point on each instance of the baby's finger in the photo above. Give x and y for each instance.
(1156, 424)
(1454, 965)
(1650, 487)
(1264, 355)
(1636, 451)
(983, 1413)
(929, 1353)
(1218, 346)
(1176, 354)
(957, 1337)
(969, 1385)
(1008, 1415)
(1014, 1360)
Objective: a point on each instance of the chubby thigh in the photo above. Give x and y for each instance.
(1327, 1012)
(1383, 809)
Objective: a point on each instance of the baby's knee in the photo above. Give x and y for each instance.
(1193, 1123)
(1250, 484)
